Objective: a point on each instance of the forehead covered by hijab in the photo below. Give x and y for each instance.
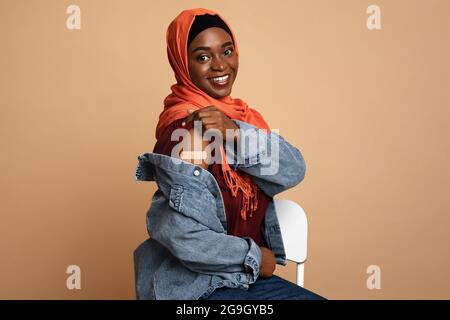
(204, 22)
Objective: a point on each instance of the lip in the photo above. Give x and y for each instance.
(220, 85)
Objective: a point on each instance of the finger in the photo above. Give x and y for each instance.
(212, 126)
(191, 115)
(209, 109)
(209, 113)
(199, 114)
(210, 121)
(207, 116)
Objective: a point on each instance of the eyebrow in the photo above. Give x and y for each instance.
(209, 48)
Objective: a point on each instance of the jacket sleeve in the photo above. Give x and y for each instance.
(274, 163)
(175, 224)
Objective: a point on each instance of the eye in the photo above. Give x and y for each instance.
(228, 52)
(203, 58)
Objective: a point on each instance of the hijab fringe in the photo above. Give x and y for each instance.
(243, 182)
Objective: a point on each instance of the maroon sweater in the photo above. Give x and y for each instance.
(236, 225)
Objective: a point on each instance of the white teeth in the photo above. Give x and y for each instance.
(220, 79)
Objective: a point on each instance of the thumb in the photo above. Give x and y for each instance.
(190, 116)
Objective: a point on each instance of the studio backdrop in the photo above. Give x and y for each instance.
(360, 87)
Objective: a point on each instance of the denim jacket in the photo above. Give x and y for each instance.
(189, 253)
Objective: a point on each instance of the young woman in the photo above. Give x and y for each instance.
(213, 226)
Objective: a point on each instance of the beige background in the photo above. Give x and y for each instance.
(369, 110)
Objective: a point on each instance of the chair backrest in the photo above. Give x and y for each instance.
(294, 230)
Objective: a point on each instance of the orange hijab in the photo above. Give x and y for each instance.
(186, 95)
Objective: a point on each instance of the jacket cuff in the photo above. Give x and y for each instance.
(252, 261)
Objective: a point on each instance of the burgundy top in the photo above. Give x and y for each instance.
(236, 225)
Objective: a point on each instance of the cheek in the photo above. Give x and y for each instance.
(198, 72)
(234, 64)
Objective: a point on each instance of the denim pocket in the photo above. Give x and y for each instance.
(176, 197)
(198, 204)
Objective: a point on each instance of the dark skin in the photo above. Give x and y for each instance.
(211, 54)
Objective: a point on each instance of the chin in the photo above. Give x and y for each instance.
(217, 95)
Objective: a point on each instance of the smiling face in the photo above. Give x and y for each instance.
(213, 63)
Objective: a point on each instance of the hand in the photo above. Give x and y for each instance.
(268, 263)
(213, 118)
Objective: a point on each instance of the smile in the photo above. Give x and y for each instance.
(220, 81)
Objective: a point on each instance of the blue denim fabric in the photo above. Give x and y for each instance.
(274, 288)
(190, 254)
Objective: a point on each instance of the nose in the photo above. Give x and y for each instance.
(217, 64)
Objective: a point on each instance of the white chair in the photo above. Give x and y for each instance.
(294, 230)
